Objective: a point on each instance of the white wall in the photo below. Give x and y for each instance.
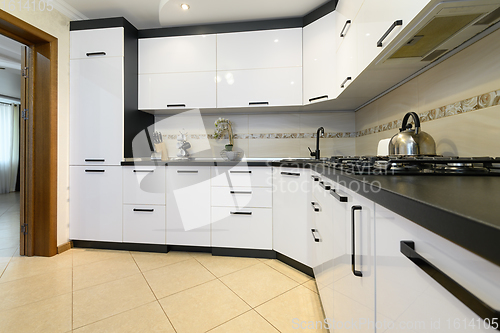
(10, 84)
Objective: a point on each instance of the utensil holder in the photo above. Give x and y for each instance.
(161, 148)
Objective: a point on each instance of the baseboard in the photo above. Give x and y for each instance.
(160, 248)
(245, 253)
(187, 248)
(295, 264)
(64, 247)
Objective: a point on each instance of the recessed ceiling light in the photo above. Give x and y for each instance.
(185, 6)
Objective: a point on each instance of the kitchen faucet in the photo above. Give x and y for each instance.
(316, 154)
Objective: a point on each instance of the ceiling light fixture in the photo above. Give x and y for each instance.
(185, 6)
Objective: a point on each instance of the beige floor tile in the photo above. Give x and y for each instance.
(296, 308)
(2, 267)
(311, 285)
(34, 289)
(103, 271)
(258, 284)
(291, 272)
(88, 256)
(203, 307)
(221, 266)
(249, 322)
(148, 261)
(52, 315)
(22, 267)
(146, 318)
(9, 241)
(108, 299)
(177, 277)
(6, 254)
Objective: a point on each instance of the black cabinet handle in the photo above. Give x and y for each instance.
(93, 54)
(394, 25)
(337, 196)
(149, 171)
(258, 103)
(176, 105)
(317, 240)
(343, 29)
(316, 98)
(95, 171)
(479, 307)
(325, 187)
(290, 174)
(241, 192)
(101, 160)
(353, 256)
(143, 210)
(246, 171)
(345, 81)
(315, 206)
(315, 178)
(241, 213)
(187, 171)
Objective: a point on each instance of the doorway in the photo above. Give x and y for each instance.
(38, 136)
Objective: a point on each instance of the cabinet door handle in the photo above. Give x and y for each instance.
(187, 171)
(325, 187)
(470, 300)
(95, 171)
(317, 240)
(101, 160)
(315, 206)
(241, 213)
(394, 25)
(246, 171)
(94, 54)
(337, 196)
(258, 103)
(176, 105)
(343, 29)
(290, 174)
(150, 171)
(241, 192)
(316, 98)
(315, 178)
(353, 256)
(345, 81)
(143, 210)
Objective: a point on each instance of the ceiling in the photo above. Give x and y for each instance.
(147, 14)
(10, 55)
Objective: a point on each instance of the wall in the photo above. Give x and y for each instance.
(263, 135)
(457, 101)
(57, 25)
(10, 84)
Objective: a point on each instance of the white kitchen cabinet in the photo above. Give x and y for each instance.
(346, 10)
(188, 205)
(259, 87)
(259, 49)
(291, 214)
(144, 185)
(242, 176)
(86, 44)
(178, 54)
(95, 203)
(259, 197)
(319, 66)
(144, 224)
(346, 65)
(96, 111)
(409, 298)
(245, 228)
(177, 90)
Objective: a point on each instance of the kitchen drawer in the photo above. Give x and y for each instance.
(242, 176)
(242, 197)
(249, 228)
(86, 44)
(144, 185)
(144, 224)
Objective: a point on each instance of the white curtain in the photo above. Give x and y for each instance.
(9, 146)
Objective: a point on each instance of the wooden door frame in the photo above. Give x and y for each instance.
(39, 206)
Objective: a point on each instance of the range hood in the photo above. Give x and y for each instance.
(441, 27)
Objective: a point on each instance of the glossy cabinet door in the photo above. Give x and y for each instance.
(144, 224)
(95, 203)
(258, 197)
(259, 49)
(346, 65)
(410, 299)
(259, 87)
(86, 44)
(346, 10)
(319, 51)
(96, 111)
(177, 54)
(242, 176)
(144, 185)
(188, 205)
(177, 90)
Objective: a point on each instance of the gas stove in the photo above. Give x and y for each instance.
(416, 165)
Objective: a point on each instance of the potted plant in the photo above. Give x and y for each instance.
(222, 126)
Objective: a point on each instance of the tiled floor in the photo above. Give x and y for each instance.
(119, 291)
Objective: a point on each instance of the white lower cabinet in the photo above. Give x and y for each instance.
(242, 197)
(242, 176)
(144, 185)
(95, 203)
(144, 224)
(188, 205)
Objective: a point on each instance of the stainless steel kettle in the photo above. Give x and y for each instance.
(412, 141)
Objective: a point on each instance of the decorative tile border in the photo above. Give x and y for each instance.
(334, 135)
(471, 104)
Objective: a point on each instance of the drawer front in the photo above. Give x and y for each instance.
(144, 224)
(242, 197)
(249, 228)
(242, 176)
(86, 44)
(144, 185)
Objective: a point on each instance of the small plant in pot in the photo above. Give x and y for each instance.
(223, 126)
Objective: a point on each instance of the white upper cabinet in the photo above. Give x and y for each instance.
(96, 43)
(319, 50)
(259, 49)
(177, 54)
(346, 10)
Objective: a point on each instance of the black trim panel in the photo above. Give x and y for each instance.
(318, 13)
(295, 264)
(120, 246)
(244, 253)
(186, 248)
(104, 23)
